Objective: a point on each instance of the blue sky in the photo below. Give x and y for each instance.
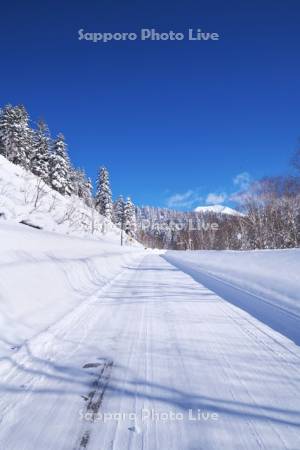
(177, 123)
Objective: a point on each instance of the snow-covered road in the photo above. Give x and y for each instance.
(184, 369)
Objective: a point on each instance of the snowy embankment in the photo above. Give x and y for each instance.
(266, 283)
(24, 197)
(43, 272)
(45, 275)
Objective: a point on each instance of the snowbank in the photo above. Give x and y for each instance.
(266, 283)
(45, 275)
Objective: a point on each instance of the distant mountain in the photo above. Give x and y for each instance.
(217, 209)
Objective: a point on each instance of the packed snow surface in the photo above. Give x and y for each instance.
(153, 359)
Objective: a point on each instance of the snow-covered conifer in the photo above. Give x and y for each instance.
(82, 186)
(39, 164)
(88, 192)
(119, 206)
(15, 136)
(60, 167)
(130, 218)
(103, 198)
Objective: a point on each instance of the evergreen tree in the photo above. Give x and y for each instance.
(82, 186)
(76, 177)
(88, 189)
(60, 167)
(119, 206)
(15, 136)
(130, 218)
(42, 143)
(103, 196)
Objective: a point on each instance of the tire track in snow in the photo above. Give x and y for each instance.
(94, 400)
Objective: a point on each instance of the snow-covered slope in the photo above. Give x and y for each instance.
(217, 209)
(25, 197)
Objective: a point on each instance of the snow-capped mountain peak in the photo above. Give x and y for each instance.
(217, 209)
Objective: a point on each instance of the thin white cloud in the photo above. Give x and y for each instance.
(192, 198)
(238, 197)
(183, 200)
(216, 199)
(242, 180)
